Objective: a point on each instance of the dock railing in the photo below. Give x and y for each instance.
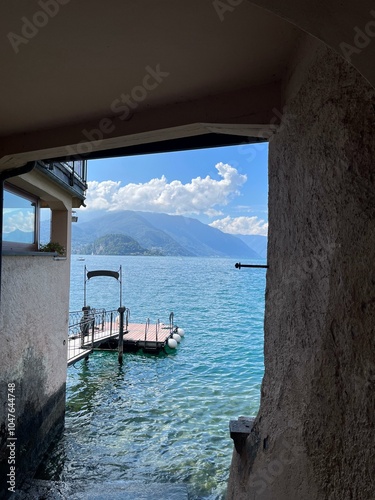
(87, 328)
(91, 328)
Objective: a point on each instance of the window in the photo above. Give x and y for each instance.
(45, 222)
(20, 220)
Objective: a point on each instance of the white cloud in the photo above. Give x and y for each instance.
(252, 208)
(100, 195)
(211, 212)
(241, 225)
(158, 195)
(14, 219)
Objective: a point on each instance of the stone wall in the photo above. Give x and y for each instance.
(33, 326)
(314, 436)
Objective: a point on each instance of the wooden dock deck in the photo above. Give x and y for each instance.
(151, 337)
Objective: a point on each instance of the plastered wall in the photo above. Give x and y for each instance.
(33, 326)
(314, 436)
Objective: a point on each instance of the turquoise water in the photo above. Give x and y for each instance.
(165, 418)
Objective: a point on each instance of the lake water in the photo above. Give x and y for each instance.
(165, 418)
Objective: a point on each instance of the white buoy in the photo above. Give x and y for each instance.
(176, 336)
(172, 343)
(181, 332)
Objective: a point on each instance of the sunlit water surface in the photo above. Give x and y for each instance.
(165, 418)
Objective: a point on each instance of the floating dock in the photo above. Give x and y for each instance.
(91, 329)
(97, 333)
(149, 337)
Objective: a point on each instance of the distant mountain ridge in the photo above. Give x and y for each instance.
(116, 244)
(162, 234)
(19, 236)
(256, 242)
(131, 224)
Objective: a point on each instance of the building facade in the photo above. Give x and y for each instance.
(34, 311)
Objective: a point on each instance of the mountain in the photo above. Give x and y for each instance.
(126, 222)
(19, 236)
(256, 242)
(166, 234)
(200, 239)
(116, 244)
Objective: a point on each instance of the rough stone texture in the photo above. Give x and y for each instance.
(33, 326)
(314, 436)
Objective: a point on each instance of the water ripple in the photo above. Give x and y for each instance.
(165, 418)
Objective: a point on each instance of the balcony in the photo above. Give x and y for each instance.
(72, 175)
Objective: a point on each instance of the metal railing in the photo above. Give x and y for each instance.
(157, 329)
(77, 168)
(73, 173)
(88, 327)
(153, 342)
(147, 326)
(83, 318)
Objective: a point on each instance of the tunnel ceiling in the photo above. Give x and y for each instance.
(109, 75)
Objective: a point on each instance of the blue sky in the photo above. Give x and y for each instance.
(226, 187)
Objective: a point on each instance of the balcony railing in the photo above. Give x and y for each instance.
(70, 173)
(77, 168)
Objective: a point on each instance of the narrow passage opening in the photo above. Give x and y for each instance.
(177, 223)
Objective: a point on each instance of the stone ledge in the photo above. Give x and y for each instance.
(240, 430)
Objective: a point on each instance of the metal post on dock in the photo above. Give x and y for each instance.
(121, 311)
(84, 324)
(82, 338)
(127, 320)
(84, 286)
(92, 334)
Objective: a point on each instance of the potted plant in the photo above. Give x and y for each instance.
(53, 247)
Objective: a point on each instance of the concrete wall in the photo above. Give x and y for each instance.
(34, 328)
(33, 325)
(35, 296)
(314, 435)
